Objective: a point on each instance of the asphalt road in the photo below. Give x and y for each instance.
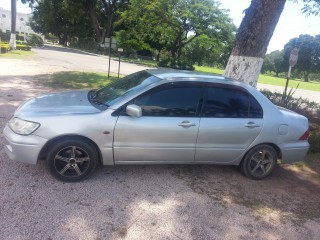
(74, 60)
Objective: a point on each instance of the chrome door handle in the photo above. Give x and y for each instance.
(186, 124)
(251, 125)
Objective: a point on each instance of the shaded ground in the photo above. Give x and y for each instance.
(150, 202)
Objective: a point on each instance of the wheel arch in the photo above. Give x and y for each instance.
(45, 149)
(274, 146)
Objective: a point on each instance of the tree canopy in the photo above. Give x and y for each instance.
(173, 24)
(308, 59)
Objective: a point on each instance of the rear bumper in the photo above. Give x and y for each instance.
(20, 148)
(294, 152)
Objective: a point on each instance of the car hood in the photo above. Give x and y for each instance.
(66, 103)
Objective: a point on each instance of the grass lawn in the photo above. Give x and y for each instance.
(313, 86)
(17, 54)
(75, 80)
(148, 63)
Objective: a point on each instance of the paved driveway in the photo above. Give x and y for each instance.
(145, 202)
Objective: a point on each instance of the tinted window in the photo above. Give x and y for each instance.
(173, 101)
(230, 103)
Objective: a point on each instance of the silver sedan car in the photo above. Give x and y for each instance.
(157, 117)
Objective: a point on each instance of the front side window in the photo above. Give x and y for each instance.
(230, 103)
(173, 100)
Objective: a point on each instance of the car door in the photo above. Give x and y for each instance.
(166, 131)
(230, 121)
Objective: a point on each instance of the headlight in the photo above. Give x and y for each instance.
(23, 127)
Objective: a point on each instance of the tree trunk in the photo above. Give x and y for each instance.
(12, 43)
(99, 35)
(252, 40)
(306, 76)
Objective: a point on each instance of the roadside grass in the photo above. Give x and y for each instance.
(212, 70)
(149, 63)
(17, 54)
(75, 80)
(264, 79)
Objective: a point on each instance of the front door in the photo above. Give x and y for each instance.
(167, 130)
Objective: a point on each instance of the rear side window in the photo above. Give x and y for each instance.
(230, 103)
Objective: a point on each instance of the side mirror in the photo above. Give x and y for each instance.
(134, 110)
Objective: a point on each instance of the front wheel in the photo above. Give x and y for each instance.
(72, 160)
(259, 162)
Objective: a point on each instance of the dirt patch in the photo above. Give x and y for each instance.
(291, 195)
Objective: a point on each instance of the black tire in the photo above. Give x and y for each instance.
(72, 160)
(259, 162)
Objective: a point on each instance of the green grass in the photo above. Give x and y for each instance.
(313, 86)
(75, 80)
(17, 54)
(209, 70)
(141, 61)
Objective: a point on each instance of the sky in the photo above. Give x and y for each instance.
(291, 24)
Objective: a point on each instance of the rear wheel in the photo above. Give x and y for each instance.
(259, 162)
(72, 160)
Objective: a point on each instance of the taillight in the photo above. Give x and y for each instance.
(305, 136)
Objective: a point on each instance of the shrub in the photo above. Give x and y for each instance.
(20, 37)
(35, 40)
(182, 64)
(4, 48)
(23, 47)
(314, 141)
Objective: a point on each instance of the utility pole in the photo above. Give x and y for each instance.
(13, 24)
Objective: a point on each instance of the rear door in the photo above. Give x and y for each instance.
(231, 119)
(168, 128)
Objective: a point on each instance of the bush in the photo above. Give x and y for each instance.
(181, 64)
(314, 141)
(20, 37)
(35, 40)
(4, 48)
(23, 47)
(5, 36)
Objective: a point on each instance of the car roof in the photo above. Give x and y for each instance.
(171, 74)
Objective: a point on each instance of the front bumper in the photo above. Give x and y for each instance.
(21, 148)
(294, 152)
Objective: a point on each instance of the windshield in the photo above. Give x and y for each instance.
(117, 89)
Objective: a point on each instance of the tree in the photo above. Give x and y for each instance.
(12, 43)
(60, 18)
(102, 14)
(209, 51)
(311, 7)
(253, 37)
(172, 24)
(274, 62)
(252, 40)
(309, 54)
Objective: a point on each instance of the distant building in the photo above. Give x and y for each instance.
(22, 24)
